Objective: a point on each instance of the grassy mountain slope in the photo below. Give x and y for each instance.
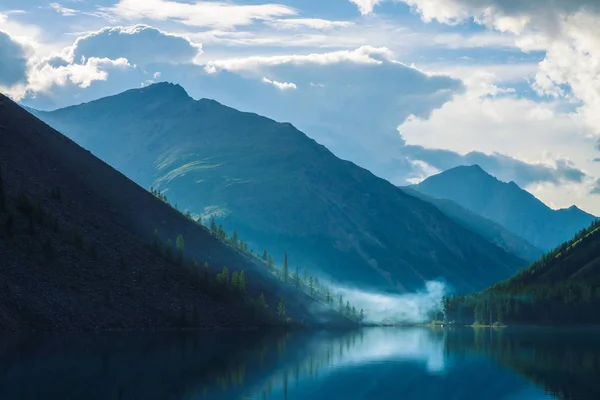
(281, 190)
(490, 230)
(74, 243)
(506, 204)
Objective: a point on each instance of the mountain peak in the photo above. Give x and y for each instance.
(165, 90)
(506, 204)
(472, 169)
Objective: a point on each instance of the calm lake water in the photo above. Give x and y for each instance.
(374, 363)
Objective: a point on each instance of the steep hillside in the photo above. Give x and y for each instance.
(75, 246)
(506, 204)
(281, 190)
(490, 230)
(562, 287)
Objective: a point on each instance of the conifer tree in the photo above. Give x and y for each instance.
(297, 278)
(284, 268)
(205, 269)
(221, 234)
(361, 315)
(264, 255)
(234, 239)
(281, 308)
(213, 226)
(169, 250)
(270, 262)
(223, 277)
(261, 302)
(180, 244)
(311, 285)
(235, 279)
(242, 282)
(341, 304)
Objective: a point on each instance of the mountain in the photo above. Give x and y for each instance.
(561, 288)
(488, 229)
(75, 243)
(506, 204)
(281, 190)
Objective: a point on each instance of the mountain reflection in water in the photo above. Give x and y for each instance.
(374, 363)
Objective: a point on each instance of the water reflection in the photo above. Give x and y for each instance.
(368, 364)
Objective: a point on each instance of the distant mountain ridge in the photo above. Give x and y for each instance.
(489, 229)
(281, 190)
(506, 204)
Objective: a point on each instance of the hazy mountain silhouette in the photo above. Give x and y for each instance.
(506, 204)
(75, 239)
(489, 229)
(281, 190)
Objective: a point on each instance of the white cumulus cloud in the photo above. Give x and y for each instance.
(280, 85)
(366, 6)
(362, 55)
(45, 75)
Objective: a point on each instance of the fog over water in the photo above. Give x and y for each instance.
(415, 307)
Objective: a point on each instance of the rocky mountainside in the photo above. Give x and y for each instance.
(281, 190)
(75, 244)
(506, 204)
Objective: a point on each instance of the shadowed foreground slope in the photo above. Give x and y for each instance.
(281, 190)
(75, 254)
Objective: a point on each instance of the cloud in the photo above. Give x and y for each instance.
(366, 6)
(280, 85)
(566, 30)
(502, 166)
(139, 44)
(313, 23)
(596, 188)
(548, 146)
(64, 11)
(351, 102)
(362, 55)
(13, 61)
(25, 33)
(214, 14)
(47, 75)
(93, 57)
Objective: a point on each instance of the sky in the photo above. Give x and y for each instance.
(405, 88)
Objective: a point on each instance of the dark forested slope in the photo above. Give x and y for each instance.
(562, 287)
(281, 190)
(506, 204)
(75, 247)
